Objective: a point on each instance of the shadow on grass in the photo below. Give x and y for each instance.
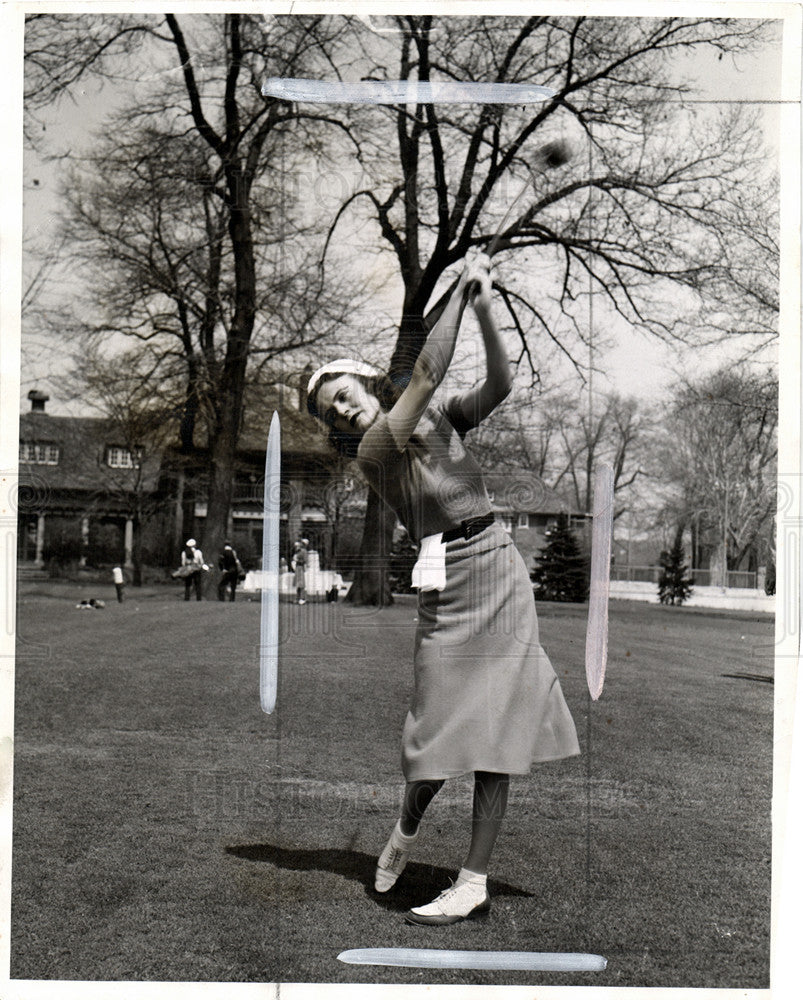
(418, 882)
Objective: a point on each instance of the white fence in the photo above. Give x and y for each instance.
(724, 598)
(737, 579)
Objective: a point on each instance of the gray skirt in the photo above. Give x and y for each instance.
(486, 696)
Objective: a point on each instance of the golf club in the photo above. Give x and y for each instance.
(550, 156)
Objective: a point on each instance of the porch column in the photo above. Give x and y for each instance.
(40, 539)
(129, 542)
(294, 512)
(84, 540)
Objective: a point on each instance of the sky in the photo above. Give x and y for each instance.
(635, 365)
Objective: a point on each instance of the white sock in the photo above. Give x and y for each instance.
(464, 875)
(404, 837)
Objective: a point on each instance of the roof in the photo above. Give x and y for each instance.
(82, 464)
(522, 491)
(83, 443)
(300, 433)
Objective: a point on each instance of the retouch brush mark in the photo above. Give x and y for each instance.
(601, 537)
(508, 961)
(403, 92)
(269, 607)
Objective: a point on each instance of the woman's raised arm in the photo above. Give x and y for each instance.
(431, 365)
(478, 402)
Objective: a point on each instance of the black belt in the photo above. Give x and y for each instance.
(469, 528)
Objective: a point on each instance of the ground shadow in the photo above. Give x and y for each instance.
(418, 882)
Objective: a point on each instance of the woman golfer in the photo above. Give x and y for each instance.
(486, 698)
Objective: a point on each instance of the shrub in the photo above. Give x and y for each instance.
(674, 587)
(561, 571)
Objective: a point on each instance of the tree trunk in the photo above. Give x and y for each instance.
(178, 520)
(223, 446)
(189, 412)
(372, 579)
(221, 487)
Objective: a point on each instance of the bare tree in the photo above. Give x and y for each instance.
(211, 125)
(561, 441)
(140, 424)
(652, 218)
(718, 462)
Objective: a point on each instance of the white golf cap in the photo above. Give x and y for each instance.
(343, 366)
(190, 543)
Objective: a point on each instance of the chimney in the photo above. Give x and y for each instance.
(38, 400)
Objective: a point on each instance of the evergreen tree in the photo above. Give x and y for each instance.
(403, 557)
(561, 570)
(674, 587)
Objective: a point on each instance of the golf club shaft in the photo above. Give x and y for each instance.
(497, 236)
(491, 249)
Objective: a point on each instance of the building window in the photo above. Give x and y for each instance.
(507, 523)
(39, 452)
(524, 521)
(122, 458)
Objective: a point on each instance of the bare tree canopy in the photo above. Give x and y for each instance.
(664, 221)
(179, 210)
(718, 462)
(563, 443)
(661, 193)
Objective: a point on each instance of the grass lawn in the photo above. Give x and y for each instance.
(165, 829)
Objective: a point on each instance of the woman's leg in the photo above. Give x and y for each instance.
(490, 803)
(394, 856)
(468, 897)
(417, 796)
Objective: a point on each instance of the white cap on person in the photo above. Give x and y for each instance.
(342, 366)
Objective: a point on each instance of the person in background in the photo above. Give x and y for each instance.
(192, 559)
(231, 569)
(119, 583)
(300, 567)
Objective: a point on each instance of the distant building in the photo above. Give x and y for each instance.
(526, 507)
(80, 488)
(83, 489)
(88, 497)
